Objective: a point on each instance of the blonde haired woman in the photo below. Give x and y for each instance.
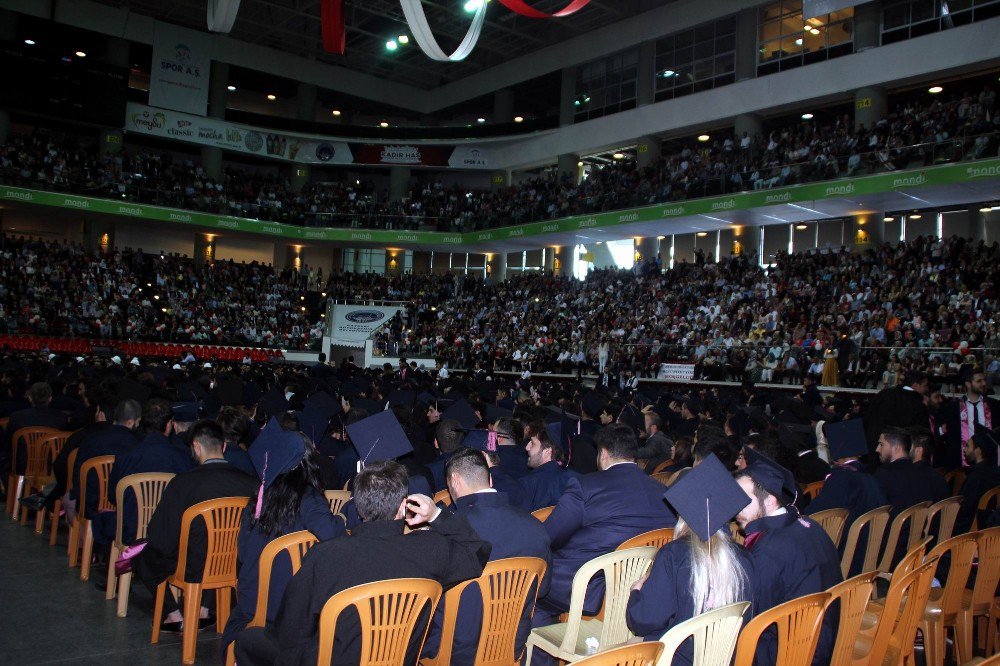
(702, 568)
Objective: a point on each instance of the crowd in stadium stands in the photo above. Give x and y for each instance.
(964, 127)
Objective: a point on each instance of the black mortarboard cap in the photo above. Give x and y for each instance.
(593, 404)
(462, 412)
(984, 437)
(379, 437)
(426, 398)
(846, 439)
(481, 440)
(130, 389)
(350, 389)
(191, 391)
(632, 417)
(323, 403)
(184, 412)
(370, 406)
(707, 497)
(229, 391)
(274, 452)
(313, 423)
(774, 478)
(694, 405)
(402, 397)
(273, 402)
(493, 413)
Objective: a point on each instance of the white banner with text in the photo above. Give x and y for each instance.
(355, 323)
(182, 64)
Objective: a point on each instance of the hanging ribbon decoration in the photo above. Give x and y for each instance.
(222, 15)
(417, 21)
(522, 8)
(334, 28)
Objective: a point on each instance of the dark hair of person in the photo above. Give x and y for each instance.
(897, 437)
(539, 431)
(235, 425)
(156, 415)
(470, 465)
(714, 441)
(920, 437)
(283, 498)
(449, 435)
(510, 428)
(759, 491)
(989, 452)
(127, 410)
(208, 434)
(618, 440)
(39, 394)
(288, 421)
(379, 489)
(681, 455)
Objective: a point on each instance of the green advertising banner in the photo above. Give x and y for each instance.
(941, 175)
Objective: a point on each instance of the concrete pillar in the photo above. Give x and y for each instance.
(647, 151)
(563, 264)
(746, 44)
(666, 251)
(748, 237)
(110, 142)
(569, 167)
(305, 102)
(300, 176)
(566, 94)
(399, 183)
(977, 223)
(503, 106)
(749, 123)
(358, 262)
(498, 266)
(211, 157)
(284, 256)
(550, 259)
(422, 263)
(870, 106)
(646, 74)
(867, 25)
(868, 231)
(336, 259)
(647, 248)
(117, 52)
(204, 248)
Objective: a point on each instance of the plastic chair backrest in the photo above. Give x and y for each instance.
(636, 654)
(656, 538)
(3, 423)
(915, 517)
(295, 545)
(621, 568)
(902, 612)
(947, 511)
(955, 479)
(811, 490)
(854, 595)
(147, 489)
(543, 513)
(962, 549)
(876, 520)
(988, 568)
(666, 478)
(389, 611)
(70, 464)
(504, 586)
(27, 436)
(662, 466)
(56, 442)
(337, 499)
(798, 622)
(990, 497)
(42, 451)
(442, 496)
(714, 634)
(222, 518)
(912, 559)
(101, 465)
(832, 521)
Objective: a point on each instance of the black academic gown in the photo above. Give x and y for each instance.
(449, 552)
(665, 599)
(511, 533)
(904, 485)
(543, 486)
(950, 455)
(116, 440)
(898, 407)
(979, 479)
(792, 557)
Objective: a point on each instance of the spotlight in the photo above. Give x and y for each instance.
(480, 120)
(29, 42)
(472, 5)
(81, 54)
(231, 88)
(391, 45)
(403, 39)
(271, 98)
(888, 219)
(383, 124)
(518, 119)
(934, 90)
(336, 112)
(807, 116)
(703, 137)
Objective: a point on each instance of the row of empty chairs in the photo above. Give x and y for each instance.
(140, 349)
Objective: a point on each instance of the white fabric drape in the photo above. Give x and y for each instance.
(415, 17)
(222, 15)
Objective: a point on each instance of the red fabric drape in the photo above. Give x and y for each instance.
(522, 8)
(334, 30)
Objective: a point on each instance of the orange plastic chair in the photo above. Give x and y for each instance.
(988, 501)
(666, 478)
(798, 623)
(543, 513)
(57, 507)
(876, 521)
(833, 522)
(944, 604)
(55, 444)
(505, 586)
(981, 603)
(662, 466)
(389, 611)
(38, 470)
(915, 517)
(222, 523)
(897, 626)
(15, 482)
(853, 595)
(811, 490)
(636, 654)
(955, 480)
(442, 497)
(656, 538)
(101, 466)
(295, 545)
(946, 511)
(147, 489)
(337, 499)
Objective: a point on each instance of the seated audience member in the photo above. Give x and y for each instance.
(212, 479)
(236, 426)
(792, 555)
(657, 443)
(701, 568)
(448, 436)
(548, 478)
(679, 458)
(37, 415)
(982, 475)
(595, 514)
(292, 500)
(449, 551)
(116, 441)
(510, 531)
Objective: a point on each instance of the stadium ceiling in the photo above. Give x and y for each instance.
(293, 26)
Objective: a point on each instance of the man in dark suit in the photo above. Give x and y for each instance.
(981, 476)
(960, 416)
(595, 514)
(39, 414)
(548, 478)
(212, 479)
(449, 551)
(511, 532)
(116, 440)
(899, 406)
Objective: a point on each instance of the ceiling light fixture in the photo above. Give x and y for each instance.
(81, 54)
(231, 88)
(383, 124)
(807, 116)
(801, 227)
(403, 39)
(888, 219)
(814, 31)
(29, 42)
(985, 209)
(336, 112)
(580, 163)
(619, 156)
(271, 98)
(518, 119)
(915, 216)
(798, 42)
(480, 120)
(703, 137)
(667, 73)
(934, 90)
(472, 5)
(702, 234)
(391, 45)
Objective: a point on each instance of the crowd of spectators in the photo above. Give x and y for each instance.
(963, 127)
